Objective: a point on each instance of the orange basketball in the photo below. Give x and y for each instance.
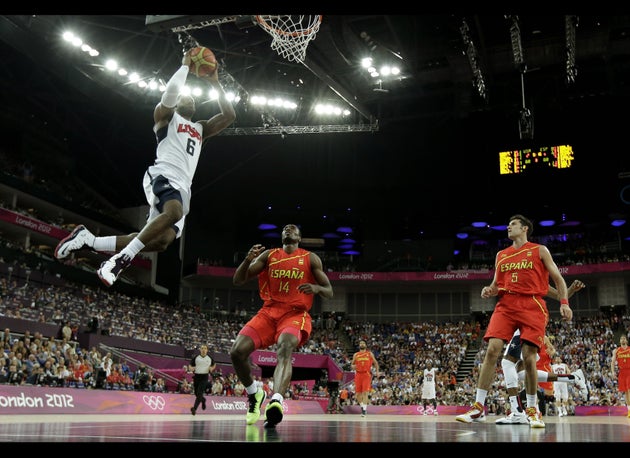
(202, 61)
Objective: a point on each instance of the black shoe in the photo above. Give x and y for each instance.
(193, 411)
(203, 403)
(112, 268)
(273, 414)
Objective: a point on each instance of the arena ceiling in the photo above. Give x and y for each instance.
(427, 165)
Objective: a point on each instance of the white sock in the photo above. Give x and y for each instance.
(481, 396)
(107, 243)
(133, 248)
(252, 389)
(532, 400)
(277, 397)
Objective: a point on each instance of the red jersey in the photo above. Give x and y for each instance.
(623, 358)
(520, 271)
(363, 361)
(278, 284)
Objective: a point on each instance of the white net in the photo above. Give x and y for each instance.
(291, 34)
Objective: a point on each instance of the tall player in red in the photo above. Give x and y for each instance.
(521, 280)
(621, 356)
(288, 279)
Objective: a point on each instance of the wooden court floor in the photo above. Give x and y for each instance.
(309, 432)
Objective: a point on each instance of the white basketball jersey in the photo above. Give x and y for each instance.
(560, 368)
(428, 384)
(178, 152)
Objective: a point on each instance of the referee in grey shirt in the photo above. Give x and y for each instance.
(201, 366)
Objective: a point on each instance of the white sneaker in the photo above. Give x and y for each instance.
(79, 239)
(435, 412)
(514, 418)
(112, 268)
(580, 382)
(534, 418)
(476, 413)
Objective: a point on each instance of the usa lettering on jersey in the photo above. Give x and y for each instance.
(188, 129)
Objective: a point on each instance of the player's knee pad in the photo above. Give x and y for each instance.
(509, 373)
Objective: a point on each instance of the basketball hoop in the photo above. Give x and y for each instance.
(291, 34)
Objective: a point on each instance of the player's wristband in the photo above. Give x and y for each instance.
(564, 301)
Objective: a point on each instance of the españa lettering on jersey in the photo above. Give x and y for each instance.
(278, 284)
(521, 271)
(294, 274)
(623, 358)
(516, 266)
(363, 361)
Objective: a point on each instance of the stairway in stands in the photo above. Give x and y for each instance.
(468, 362)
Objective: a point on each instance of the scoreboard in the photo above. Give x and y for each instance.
(522, 160)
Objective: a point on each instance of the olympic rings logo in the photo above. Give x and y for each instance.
(154, 402)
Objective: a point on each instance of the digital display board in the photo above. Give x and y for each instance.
(522, 160)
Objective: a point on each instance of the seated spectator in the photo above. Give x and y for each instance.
(33, 377)
(152, 380)
(160, 385)
(125, 367)
(185, 387)
(77, 372)
(114, 379)
(127, 382)
(4, 370)
(239, 388)
(63, 375)
(227, 388)
(343, 396)
(141, 378)
(15, 376)
(7, 339)
(50, 373)
(217, 386)
(45, 378)
(30, 363)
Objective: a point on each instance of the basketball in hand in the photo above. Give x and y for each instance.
(202, 61)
